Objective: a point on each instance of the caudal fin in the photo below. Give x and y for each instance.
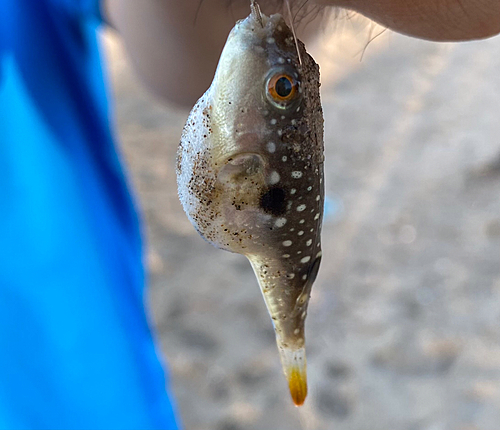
(294, 366)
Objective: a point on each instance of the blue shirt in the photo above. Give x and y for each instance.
(76, 349)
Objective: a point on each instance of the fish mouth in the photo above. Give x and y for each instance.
(258, 24)
(256, 14)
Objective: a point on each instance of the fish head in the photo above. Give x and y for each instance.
(257, 54)
(260, 86)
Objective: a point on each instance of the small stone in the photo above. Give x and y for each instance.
(219, 389)
(338, 370)
(229, 425)
(410, 356)
(492, 229)
(199, 340)
(252, 376)
(333, 404)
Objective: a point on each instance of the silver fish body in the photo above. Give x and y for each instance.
(250, 172)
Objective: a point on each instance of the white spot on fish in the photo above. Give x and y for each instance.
(281, 60)
(309, 242)
(290, 275)
(280, 222)
(309, 188)
(273, 121)
(287, 243)
(300, 208)
(284, 158)
(271, 146)
(270, 40)
(274, 177)
(319, 254)
(316, 216)
(293, 122)
(305, 259)
(302, 221)
(296, 331)
(296, 174)
(318, 197)
(286, 255)
(301, 232)
(293, 191)
(304, 277)
(302, 299)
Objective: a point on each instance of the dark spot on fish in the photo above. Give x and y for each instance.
(273, 201)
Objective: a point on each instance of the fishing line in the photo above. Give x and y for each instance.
(197, 12)
(300, 9)
(293, 31)
(371, 39)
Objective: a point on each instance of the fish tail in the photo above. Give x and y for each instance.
(294, 367)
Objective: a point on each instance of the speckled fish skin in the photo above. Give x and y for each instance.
(250, 174)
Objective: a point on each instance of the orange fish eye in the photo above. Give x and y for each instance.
(282, 87)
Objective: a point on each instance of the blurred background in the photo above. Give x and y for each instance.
(403, 330)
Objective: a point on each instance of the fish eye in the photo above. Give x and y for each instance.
(282, 88)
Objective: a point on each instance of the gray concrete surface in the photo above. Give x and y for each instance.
(403, 329)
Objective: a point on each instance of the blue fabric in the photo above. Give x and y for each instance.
(76, 349)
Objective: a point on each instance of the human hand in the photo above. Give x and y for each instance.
(175, 45)
(437, 20)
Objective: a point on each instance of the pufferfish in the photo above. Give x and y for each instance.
(250, 172)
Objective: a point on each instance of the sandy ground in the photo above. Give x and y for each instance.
(403, 329)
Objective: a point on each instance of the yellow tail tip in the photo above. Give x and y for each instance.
(294, 366)
(297, 383)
